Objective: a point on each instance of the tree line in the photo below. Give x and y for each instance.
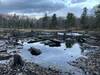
(53, 22)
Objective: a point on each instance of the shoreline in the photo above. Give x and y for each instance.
(27, 69)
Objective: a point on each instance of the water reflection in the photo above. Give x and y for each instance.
(57, 54)
(69, 43)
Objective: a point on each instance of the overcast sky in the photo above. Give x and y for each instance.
(39, 7)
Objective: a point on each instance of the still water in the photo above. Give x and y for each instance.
(54, 57)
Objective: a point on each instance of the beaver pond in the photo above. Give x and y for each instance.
(59, 54)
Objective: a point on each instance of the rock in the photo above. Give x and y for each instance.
(89, 47)
(51, 43)
(31, 41)
(80, 40)
(27, 69)
(34, 51)
(16, 43)
(3, 51)
(55, 40)
(4, 56)
(54, 43)
(46, 42)
(17, 60)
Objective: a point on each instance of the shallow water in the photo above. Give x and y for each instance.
(54, 57)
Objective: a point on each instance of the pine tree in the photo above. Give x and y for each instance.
(84, 17)
(70, 21)
(97, 14)
(45, 21)
(53, 22)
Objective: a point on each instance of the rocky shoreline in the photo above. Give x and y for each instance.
(89, 63)
(27, 69)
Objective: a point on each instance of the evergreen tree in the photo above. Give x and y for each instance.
(84, 18)
(70, 21)
(53, 21)
(97, 14)
(45, 21)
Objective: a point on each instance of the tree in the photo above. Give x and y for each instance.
(97, 14)
(53, 21)
(83, 19)
(45, 21)
(91, 22)
(70, 21)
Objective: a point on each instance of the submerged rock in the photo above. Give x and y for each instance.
(34, 51)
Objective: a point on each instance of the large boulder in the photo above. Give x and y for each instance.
(17, 60)
(35, 51)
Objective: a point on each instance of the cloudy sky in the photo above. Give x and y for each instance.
(39, 7)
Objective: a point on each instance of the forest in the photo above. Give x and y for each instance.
(85, 21)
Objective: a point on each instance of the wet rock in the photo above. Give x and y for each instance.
(19, 47)
(54, 43)
(89, 65)
(3, 51)
(17, 60)
(56, 40)
(70, 40)
(5, 56)
(32, 41)
(86, 46)
(34, 51)
(94, 42)
(51, 43)
(27, 69)
(16, 43)
(46, 42)
(80, 40)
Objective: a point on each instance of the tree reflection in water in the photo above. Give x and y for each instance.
(69, 43)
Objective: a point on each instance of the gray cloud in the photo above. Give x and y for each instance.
(35, 7)
(30, 6)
